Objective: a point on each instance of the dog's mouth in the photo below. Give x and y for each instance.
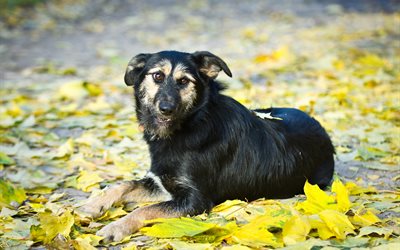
(163, 121)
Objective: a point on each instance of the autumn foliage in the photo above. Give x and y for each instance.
(67, 131)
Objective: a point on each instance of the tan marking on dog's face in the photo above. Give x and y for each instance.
(148, 86)
(164, 66)
(188, 93)
(149, 89)
(180, 71)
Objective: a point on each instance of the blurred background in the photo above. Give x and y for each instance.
(83, 34)
(68, 121)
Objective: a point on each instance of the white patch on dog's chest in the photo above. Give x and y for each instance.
(157, 181)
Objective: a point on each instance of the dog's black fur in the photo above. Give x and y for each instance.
(217, 149)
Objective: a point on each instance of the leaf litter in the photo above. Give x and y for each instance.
(61, 141)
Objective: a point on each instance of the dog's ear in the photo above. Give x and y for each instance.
(210, 64)
(134, 68)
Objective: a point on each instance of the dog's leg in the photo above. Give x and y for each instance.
(190, 204)
(148, 189)
(118, 230)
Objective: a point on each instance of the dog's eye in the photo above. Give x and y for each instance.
(158, 77)
(183, 81)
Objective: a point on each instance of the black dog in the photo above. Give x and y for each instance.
(206, 147)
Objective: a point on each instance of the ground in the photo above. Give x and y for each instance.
(68, 122)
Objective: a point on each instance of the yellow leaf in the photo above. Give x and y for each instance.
(323, 230)
(386, 232)
(181, 245)
(72, 91)
(364, 217)
(281, 53)
(295, 230)
(15, 110)
(337, 222)
(235, 247)
(99, 106)
(113, 213)
(51, 225)
(354, 189)
(94, 240)
(262, 58)
(37, 207)
(5, 160)
(93, 89)
(90, 140)
(124, 166)
(371, 60)
(177, 227)
(254, 235)
(40, 190)
(342, 196)
(10, 196)
(66, 149)
(88, 180)
(227, 204)
(317, 200)
(82, 244)
(130, 246)
(79, 161)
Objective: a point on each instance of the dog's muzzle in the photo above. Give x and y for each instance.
(166, 108)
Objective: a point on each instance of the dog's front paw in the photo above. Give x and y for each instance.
(92, 210)
(116, 231)
(96, 206)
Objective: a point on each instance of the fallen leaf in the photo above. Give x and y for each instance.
(51, 225)
(254, 235)
(337, 223)
(227, 204)
(10, 196)
(82, 244)
(295, 230)
(342, 196)
(364, 217)
(28, 122)
(87, 181)
(5, 160)
(176, 227)
(113, 213)
(365, 231)
(317, 200)
(74, 90)
(182, 245)
(66, 149)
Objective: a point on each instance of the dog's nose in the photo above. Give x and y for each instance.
(166, 108)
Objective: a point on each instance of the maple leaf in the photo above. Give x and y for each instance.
(295, 230)
(51, 225)
(317, 200)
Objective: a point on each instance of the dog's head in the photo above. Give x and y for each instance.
(170, 86)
